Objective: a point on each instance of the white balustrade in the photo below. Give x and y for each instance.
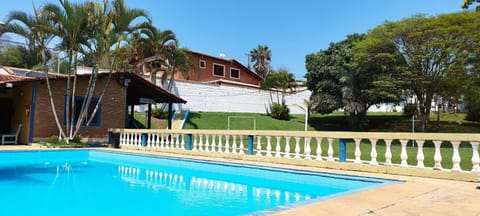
(280, 145)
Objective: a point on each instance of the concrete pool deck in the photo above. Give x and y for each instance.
(415, 196)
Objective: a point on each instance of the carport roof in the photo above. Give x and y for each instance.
(139, 90)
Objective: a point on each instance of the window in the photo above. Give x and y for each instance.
(202, 64)
(234, 73)
(218, 70)
(77, 109)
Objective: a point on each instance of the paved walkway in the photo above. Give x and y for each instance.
(416, 196)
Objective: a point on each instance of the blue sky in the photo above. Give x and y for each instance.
(291, 29)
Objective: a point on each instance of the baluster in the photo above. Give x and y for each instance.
(307, 148)
(234, 145)
(319, 149)
(242, 146)
(287, 147)
(456, 156)
(177, 141)
(420, 156)
(358, 153)
(227, 144)
(330, 149)
(373, 153)
(403, 153)
(129, 139)
(134, 139)
(195, 143)
(200, 143)
(269, 146)
(168, 141)
(388, 152)
(162, 141)
(149, 140)
(207, 143)
(259, 146)
(475, 157)
(182, 143)
(220, 144)
(213, 144)
(277, 147)
(437, 157)
(122, 139)
(297, 148)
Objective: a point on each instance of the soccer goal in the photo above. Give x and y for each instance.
(242, 123)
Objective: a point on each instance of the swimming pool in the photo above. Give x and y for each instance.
(99, 182)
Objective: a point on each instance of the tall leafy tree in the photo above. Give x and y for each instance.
(339, 78)
(261, 56)
(435, 51)
(469, 3)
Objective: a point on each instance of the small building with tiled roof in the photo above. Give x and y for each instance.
(214, 70)
(24, 100)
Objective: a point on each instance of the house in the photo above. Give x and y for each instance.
(24, 100)
(214, 70)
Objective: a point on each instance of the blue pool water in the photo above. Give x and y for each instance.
(95, 182)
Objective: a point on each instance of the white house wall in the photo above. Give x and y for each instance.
(213, 98)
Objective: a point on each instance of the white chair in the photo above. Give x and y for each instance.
(11, 138)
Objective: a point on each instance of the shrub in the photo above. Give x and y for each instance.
(279, 111)
(410, 109)
(53, 139)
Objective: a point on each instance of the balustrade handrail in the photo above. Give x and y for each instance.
(312, 134)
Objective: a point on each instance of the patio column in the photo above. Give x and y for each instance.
(170, 114)
(149, 116)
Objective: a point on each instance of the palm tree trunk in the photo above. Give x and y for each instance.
(50, 97)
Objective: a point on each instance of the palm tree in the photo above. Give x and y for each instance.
(261, 56)
(91, 29)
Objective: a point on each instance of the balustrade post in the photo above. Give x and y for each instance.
(475, 157)
(403, 153)
(242, 146)
(343, 150)
(144, 139)
(200, 143)
(388, 152)
(330, 150)
(189, 142)
(227, 144)
(297, 148)
(207, 143)
(250, 144)
(259, 146)
(213, 144)
(437, 157)
(358, 153)
(287, 147)
(373, 153)
(220, 144)
(456, 156)
(319, 149)
(307, 148)
(269, 146)
(420, 155)
(234, 144)
(277, 147)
